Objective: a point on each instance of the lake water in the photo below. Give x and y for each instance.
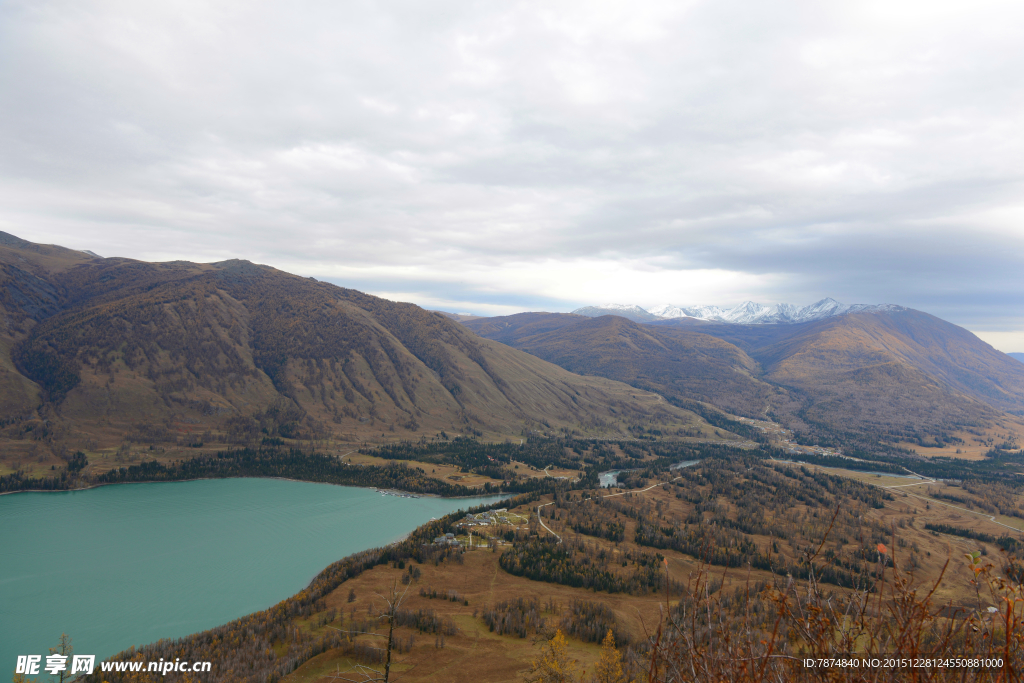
(127, 565)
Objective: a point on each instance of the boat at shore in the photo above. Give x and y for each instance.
(398, 494)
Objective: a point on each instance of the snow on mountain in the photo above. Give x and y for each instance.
(628, 308)
(667, 311)
(705, 312)
(746, 313)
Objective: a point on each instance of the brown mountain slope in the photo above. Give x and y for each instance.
(27, 294)
(903, 372)
(950, 354)
(128, 346)
(509, 329)
(680, 365)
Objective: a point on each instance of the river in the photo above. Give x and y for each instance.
(611, 477)
(126, 565)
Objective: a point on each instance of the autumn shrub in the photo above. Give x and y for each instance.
(794, 630)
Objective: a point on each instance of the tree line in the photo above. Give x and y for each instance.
(579, 565)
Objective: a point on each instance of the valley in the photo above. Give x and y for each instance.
(731, 528)
(125, 361)
(572, 342)
(850, 455)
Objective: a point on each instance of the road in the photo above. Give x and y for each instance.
(610, 495)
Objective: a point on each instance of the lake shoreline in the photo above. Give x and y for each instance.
(169, 561)
(302, 481)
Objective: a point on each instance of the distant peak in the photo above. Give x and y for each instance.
(628, 311)
(7, 239)
(621, 307)
(745, 313)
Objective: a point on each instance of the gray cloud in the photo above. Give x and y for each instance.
(507, 156)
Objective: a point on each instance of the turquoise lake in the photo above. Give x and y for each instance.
(126, 565)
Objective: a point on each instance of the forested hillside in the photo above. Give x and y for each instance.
(107, 351)
(900, 375)
(681, 367)
(683, 566)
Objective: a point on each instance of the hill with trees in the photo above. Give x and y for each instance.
(100, 352)
(899, 375)
(681, 366)
(736, 568)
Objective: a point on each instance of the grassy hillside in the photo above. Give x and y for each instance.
(957, 359)
(27, 294)
(733, 569)
(108, 353)
(904, 376)
(510, 329)
(682, 366)
(904, 373)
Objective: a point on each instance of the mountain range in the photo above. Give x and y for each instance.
(100, 352)
(97, 352)
(682, 365)
(746, 313)
(886, 372)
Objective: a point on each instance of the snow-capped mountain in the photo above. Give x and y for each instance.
(746, 313)
(668, 311)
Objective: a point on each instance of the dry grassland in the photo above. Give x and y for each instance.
(448, 473)
(475, 654)
(975, 446)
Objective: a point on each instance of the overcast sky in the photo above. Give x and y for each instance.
(496, 157)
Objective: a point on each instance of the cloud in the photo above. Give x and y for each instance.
(514, 155)
(1003, 341)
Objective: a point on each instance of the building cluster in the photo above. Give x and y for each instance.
(470, 520)
(483, 519)
(447, 539)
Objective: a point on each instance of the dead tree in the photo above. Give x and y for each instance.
(359, 673)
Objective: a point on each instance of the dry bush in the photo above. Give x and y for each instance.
(893, 631)
(797, 630)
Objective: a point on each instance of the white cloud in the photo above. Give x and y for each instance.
(1007, 342)
(590, 280)
(566, 152)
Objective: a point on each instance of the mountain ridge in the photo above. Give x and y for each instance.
(682, 366)
(746, 313)
(113, 351)
(893, 372)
